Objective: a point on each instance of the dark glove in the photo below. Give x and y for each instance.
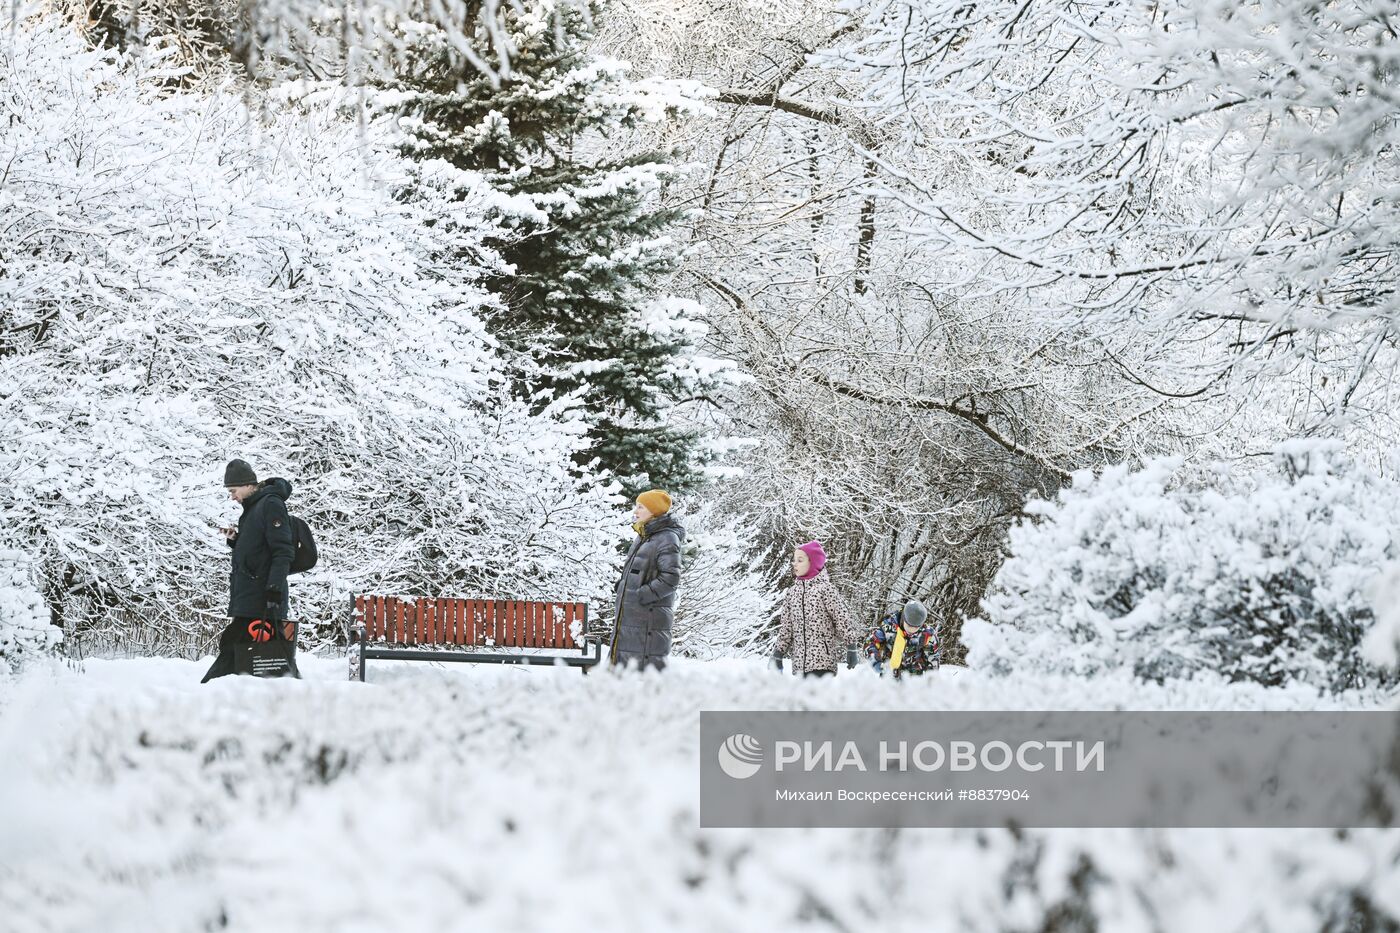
(273, 611)
(777, 662)
(852, 656)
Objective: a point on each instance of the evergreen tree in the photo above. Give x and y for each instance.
(592, 245)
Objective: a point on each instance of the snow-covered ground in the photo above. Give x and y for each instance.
(488, 798)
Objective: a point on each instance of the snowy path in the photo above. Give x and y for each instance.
(487, 798)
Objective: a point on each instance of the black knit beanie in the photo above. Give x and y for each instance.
(239, 473)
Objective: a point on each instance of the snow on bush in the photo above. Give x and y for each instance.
(25, 629)
(182, 282)
(725, 604)
(1382, 643)
(1267, 580)
(133, 798)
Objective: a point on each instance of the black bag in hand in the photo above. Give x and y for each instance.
(272, 656)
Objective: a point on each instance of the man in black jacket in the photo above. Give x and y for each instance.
(262, 548)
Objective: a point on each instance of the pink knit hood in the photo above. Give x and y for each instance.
(816, 556)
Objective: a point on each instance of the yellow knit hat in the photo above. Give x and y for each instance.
(656, 501)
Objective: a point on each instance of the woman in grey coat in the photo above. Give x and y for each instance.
(644, 605)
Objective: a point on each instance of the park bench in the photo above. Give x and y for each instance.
(513, 631)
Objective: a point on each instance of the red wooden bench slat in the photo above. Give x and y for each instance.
(505, 623)
(570, 613)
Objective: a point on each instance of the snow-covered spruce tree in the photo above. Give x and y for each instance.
(179, 285)
(1266, 579)
(582, 297)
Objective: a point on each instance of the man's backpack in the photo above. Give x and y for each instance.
(305, 556)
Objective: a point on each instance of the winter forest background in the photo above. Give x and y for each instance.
(1076, 320)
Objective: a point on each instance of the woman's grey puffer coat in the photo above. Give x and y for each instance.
(645, 601)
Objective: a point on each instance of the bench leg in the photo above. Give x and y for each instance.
(357, 654)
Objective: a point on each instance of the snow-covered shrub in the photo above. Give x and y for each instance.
(182, 282)
(1266, 580)
(725, 604)
(25, 629)
(1382, 643)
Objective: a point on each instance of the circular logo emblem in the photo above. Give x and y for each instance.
(260, 630)
(740, 756)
